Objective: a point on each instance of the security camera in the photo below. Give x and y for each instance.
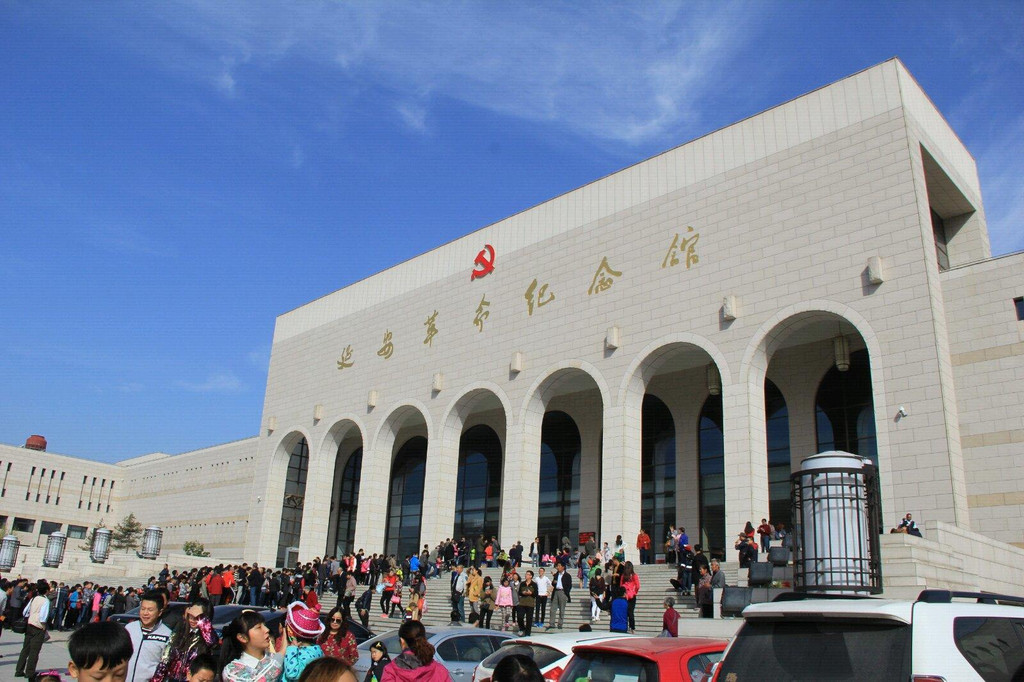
(902, 412)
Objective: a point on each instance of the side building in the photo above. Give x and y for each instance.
(200, 496)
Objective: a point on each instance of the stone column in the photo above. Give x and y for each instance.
(746, 467)
(439, 488)
(621, 476)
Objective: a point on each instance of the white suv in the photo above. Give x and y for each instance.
(943, 636)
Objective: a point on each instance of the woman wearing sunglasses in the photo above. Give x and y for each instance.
(337, 641)
(193, 636)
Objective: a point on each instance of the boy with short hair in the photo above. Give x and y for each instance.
(202, 669)
(99, 653)
(148, 637)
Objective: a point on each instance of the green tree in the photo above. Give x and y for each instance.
(127, 534)
(87, 545)
(193, 548)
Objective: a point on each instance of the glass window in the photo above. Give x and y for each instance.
(795, 650)
(77, 532)
(47, 527)
(23, 525)
(405, 502)
(711, 445)
(348, 503)
(558, 513)
(658, 470)
(1018, 305)
(845, 409)
(992, 646)
(941, 242)
(609, 667)
(294, 500)
(777, 428)
(478, 491)
(465, 648)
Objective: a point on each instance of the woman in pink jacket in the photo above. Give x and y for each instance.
(416, 662)
(504, 602)
(631, 584)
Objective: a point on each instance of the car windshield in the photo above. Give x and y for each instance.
(819, 650)
(390, 640)
(543, 656)
(600, 666)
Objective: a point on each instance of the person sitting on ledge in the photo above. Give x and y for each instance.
(907, 525)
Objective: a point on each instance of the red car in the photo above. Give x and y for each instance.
(645, 659)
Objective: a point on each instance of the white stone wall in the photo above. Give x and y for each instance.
(45, 486)
(987, 355)
(789, 205)
(202, 496)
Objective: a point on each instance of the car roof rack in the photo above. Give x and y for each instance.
(947, 596)
(803, 596)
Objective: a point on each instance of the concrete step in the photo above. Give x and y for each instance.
(654, 587)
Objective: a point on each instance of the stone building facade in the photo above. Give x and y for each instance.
(663, 345)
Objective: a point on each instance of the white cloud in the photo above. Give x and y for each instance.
(613, 71)
(414, 116)
(259, 356)
(219, 382)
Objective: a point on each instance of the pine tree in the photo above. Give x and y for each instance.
(127, 534)
(87, 545)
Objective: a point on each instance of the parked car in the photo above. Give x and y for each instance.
(550, 652)
(459, 649)
(647, 658)
(942, 635)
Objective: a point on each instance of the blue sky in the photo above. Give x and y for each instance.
(174, 175)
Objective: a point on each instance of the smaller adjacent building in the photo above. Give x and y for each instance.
(200, 496)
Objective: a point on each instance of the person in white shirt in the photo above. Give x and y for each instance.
(36, 613)
(543, 592)
(149, 637)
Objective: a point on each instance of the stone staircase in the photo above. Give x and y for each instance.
(654, 587)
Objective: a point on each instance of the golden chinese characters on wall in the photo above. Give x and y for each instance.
(681, 251)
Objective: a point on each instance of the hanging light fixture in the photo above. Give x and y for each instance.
(841, 346)
(54, 552)
(151, 542)
(714, 380)
(9, 552)
(100, 545)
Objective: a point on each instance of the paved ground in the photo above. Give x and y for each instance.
(53, 655)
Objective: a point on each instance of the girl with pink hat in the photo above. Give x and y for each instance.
(302, 629)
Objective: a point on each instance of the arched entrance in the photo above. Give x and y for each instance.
(711, 454)
(345, 506)
(294, 501)
(405, 498)
(776, 416)
(844, 409)
(658, 470)
(558, 512)
(478, 491)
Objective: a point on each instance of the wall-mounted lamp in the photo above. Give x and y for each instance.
(841, 346)
(516, 365)
(613, 339)
(714, 380)
(730, 308)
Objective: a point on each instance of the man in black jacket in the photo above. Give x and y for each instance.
(561, 587)
(699, 559)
